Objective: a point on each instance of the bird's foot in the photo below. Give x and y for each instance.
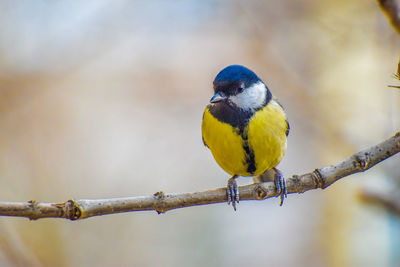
(280, 184)
(233, 192)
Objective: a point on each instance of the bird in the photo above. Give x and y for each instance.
(246, 129)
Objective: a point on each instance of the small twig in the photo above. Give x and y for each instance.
(161, 202)
(392, 10)
(396, 76)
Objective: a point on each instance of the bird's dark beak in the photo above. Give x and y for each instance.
(217, 98)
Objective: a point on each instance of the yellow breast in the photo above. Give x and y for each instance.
(262, 140)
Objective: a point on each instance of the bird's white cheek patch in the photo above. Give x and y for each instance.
(252, 97)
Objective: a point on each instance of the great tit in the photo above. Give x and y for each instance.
(245, 128)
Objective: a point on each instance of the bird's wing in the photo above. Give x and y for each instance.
(204, 142)
(287, 128)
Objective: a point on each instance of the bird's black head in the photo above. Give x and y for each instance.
(241, 87)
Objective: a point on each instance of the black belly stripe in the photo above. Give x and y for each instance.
(250, 160)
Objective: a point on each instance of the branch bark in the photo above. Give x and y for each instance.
(161, 202)
(392, 10)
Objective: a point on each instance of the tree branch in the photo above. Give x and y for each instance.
(160, 202)
(392, 10)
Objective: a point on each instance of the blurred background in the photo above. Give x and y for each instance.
(104, 99)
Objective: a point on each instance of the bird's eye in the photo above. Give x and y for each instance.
(240, 89)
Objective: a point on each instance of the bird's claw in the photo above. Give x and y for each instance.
(280, 184)
(233, 192)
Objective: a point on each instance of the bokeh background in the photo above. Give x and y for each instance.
(105, 98)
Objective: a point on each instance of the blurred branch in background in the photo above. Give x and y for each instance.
(392, 10)
(160, 202)
(16, 251)
(390, 201)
